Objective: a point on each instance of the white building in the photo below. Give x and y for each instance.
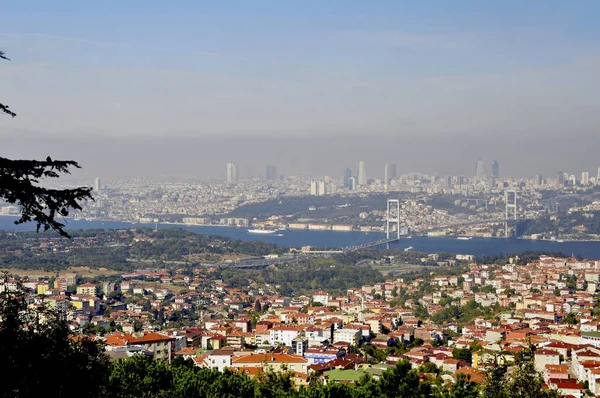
(585, 178)
(219, 359)
(351, 336)
(232, 172)
(284, 334)
(321, 297)
(362, 174)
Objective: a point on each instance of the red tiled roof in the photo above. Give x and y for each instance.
(270, 358)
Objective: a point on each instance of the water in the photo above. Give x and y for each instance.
(334, 240)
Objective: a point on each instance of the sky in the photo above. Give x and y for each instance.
(149, 88)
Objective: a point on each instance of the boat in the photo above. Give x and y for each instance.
(262, 231)
(409, 248)
(464, 238)
(279, 235)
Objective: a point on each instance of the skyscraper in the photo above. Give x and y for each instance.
(598, 177)
(495, 169)
(97, 184)
(585, 178)
(538, 179)
(351, 183)
(479, 170)
(321, 187)
(271, 173)
(232, 172)
(362, 174)
(560, 178)
(448, 181)
(314, 187)
(389, 173)
(347, 175)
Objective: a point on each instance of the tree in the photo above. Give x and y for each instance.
(571, 319)
(4, 108)
(523, 381)
(37, 352)
(462, 388)
(463, 354)
(402, 381)
(19, 184)
(257, 306)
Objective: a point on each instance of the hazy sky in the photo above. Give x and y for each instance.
(152, 88)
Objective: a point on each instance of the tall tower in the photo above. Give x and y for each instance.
(97, 184)
(393, 217)
(510, 198)
(351, 184)
(585, 178)
(598, 177)
(362, 174)
(560, 178)
(389, 173)
(232, 172)
(539, 180)
(271, 173)
(314, 187)
(495, 169)
(347, 175)
(479, 170)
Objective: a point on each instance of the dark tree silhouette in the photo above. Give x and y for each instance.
(4, 108)
(19, 184)
(39, 354)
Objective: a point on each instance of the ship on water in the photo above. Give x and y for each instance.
(262, 231)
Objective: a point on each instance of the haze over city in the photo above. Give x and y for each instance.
(312, 87)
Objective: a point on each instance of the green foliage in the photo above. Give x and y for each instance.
(38, 355)
(305, 276)
(465, 313)
(20, 185)
(463, 387)
(464, 354)
(522, 382)
(571, 319)
(167, 245)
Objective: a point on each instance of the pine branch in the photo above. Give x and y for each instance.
(18, 185)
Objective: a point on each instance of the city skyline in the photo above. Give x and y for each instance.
(354, 81)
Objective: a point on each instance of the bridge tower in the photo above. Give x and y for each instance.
(393, 217)
(510, 214)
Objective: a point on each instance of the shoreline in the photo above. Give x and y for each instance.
(71, 221)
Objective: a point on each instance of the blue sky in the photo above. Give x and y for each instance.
(364, 68)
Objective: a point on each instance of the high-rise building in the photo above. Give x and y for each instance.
(389, 173)
(351, 183)
(314, 187)
(585, 178)
(479, 170)
(347, 175)
(362, 174)
(271, 173)
(448, 181)
(97, 184)
(598, 177)
(495, 169)
(560, 178)
(321, 187)
(232, 172)
(538, 179)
